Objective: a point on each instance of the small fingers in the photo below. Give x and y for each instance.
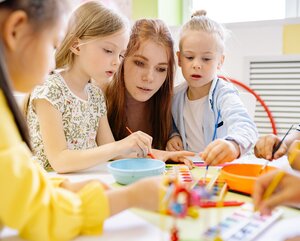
(260, 187)
(142, 142)
(188, 162)
(147, 140)
(175, 146)
(211, 152)
(221, 157)
(264, 146)
(270, 142)
(281, 151)
(273, 201)
(169, 147)
(176, 143)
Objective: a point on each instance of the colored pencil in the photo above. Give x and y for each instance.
(212, 181)
(275, 149)
(212, 204)
(223, 192)
(149, 154)
(273, 185)
(276, 180)
(279, 144)
(214, 137)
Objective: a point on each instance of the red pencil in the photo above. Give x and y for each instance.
(212, 204)
(149, 154)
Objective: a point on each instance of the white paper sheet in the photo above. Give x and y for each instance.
(282, 230)
(125, 226)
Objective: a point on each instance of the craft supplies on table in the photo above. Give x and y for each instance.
(180, 171)
(242, 224)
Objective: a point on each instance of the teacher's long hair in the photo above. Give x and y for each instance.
(160, 104)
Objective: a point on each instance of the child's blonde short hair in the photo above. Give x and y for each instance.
(200, 22)
(90, 20)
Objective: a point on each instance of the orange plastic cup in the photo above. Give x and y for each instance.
(241, 177)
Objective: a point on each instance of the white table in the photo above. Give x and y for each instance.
(131, 227)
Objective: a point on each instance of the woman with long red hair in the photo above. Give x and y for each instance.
(140, 94)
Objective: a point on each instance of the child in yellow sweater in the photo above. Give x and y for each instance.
(40, 208)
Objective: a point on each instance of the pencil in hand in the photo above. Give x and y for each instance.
(275, 149)
(273, 185)
(279, 144)
(149, 154)
(278, 177)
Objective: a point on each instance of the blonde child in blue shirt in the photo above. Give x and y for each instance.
(207, 111)
(67, 118)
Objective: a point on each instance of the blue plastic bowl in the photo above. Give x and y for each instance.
(127, 171)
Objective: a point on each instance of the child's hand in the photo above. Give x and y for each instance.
(294, 150)
(175, 156)
(145, 193)
(220, 151)
(175, 144)
(265, 145)
(138, 143)
(76, 186)
(287, 192)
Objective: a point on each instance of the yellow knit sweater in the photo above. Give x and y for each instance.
(35, 205)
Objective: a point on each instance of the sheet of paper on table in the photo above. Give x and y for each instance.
(128, 226)
(282, 230)
(123, 226)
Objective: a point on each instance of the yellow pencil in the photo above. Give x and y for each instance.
(276, 180)
(279, 176)
(223, 192)
(271, 188)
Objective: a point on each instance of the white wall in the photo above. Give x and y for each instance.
(263, 38)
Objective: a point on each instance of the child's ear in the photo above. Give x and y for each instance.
(75, 48)
(178, 58)
(221, 62)
(14, 28)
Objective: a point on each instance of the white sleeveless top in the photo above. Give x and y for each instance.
(80, 117)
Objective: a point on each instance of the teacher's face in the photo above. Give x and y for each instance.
(146, 70)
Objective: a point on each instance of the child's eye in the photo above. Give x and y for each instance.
(161, 69)
(139, 63)
(107, 51)
(206, 59)
(189, 57)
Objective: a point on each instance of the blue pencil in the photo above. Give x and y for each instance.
(214, 137)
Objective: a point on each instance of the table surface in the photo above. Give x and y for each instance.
(143, 226)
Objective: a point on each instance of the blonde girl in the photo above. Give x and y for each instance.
(67, 118)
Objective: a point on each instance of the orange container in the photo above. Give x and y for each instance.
(241, 177)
